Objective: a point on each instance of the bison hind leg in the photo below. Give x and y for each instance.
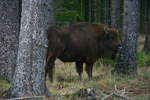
(89, 69)
(79, 69)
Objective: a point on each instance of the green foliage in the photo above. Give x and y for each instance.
(146, 76)
(143, 59)
(104, 61)
(68, 11)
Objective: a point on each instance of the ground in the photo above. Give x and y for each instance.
(66, 81)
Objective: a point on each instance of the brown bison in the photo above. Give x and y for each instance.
(81, 43)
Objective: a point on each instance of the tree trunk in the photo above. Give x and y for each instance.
(102, 12)
(97, 11)
(29, 74)
(115, 13)
(86, 10)
(9, 33)
(147, 37)
(90, 11)
(127, 62)
(107, 11)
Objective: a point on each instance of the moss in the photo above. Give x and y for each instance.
(4, 86)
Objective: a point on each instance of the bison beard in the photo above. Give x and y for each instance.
(80, 43)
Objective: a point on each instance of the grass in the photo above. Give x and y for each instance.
(67, 82)
(4, 86)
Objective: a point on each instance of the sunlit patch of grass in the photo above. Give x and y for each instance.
(141, 41)
(4, 85)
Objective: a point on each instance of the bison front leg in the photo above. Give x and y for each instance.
(79, 69)
(50, 68)
(89, 69)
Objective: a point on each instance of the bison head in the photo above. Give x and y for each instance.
(112, 42)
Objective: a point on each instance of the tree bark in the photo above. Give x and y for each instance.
(90, 10)
(102, 12)
(30, 70)
(86, 10)
(147, 32)
(127, 61)
(9, 33)
(115, 13)
(107, 11)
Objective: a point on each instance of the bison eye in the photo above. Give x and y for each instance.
(110, 37)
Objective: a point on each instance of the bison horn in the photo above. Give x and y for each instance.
(106, 29)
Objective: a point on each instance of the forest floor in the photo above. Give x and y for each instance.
(67, 84)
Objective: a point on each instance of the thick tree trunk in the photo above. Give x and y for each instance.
(115, 13)
(29, 74)
(127, 62)
(9, 33)
(147, 37)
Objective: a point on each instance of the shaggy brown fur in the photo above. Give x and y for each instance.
(80, 43)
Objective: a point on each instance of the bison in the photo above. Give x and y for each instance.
(80, 43)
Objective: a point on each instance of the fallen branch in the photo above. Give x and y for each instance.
(107, 96)
(117, 93)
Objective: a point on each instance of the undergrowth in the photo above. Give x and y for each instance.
(67, 82)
